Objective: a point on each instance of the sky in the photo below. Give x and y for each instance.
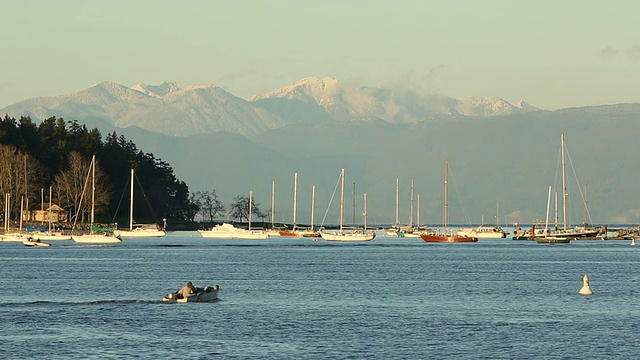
(551, 54)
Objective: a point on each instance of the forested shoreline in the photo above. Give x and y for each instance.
(56, 153)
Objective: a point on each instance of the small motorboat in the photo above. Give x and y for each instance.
(34, 243)
(207, 294)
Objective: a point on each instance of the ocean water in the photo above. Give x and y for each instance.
(301, 299)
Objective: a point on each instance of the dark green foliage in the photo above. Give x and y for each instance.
(158, 194)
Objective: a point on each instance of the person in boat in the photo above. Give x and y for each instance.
(187, 289)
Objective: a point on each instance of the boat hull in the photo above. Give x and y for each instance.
(35, 243)
(96, 239)
(14, 237)
(347, 237)
(447, 238)
(208, 294)
(50, 237)
(483, 232)
(140, 233)
(228, 231)
(553, 240)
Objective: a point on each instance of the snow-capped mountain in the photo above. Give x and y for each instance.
(169, 109)
(394, 105)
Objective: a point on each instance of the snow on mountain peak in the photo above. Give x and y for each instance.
(311, 88)
(157, 91)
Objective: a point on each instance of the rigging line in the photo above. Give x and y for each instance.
(120, 202)
(455, 188)
(584, 201)
(335, 189)
(86, 182)
(146, 198)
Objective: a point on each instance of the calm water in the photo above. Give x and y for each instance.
(299, 299)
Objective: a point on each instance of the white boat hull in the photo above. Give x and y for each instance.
(96, 239)
(207, 295)
(140, 233)
(35, 243)
(347, 236)
(14, 237)
(483, 233)
(228, 231)
(50, 236)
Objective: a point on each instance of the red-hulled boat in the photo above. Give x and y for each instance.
(288, 233)
(446, 237)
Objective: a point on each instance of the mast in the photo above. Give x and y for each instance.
(446, 194)
(49, 215)
(42, 205)
(250, 207)
(546, 226)
(397, 223)
(93, 186)
(555, 199)
(7, 198)
(364, 214)
(418, 213)
(411, 207)
(564, 188)
(353, 206)
(26, 196)
(273, 202)
(131, 203)
(341, 198)
(313, 203)
(21, 208)
(295, 199)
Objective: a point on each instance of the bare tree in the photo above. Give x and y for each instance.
(71, 183)
(20, 176)
(209, 204)
(240, 208)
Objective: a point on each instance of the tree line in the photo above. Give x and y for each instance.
(56, 154)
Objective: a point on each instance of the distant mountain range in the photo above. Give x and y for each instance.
(502, 157)
(171, 110)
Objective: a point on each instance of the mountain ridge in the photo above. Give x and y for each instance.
(172, 110)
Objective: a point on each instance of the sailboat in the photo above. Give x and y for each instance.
(546, 237)
(578, 231)
(293, 232)
(96, 235)
(49, 234)
(138, 230)
(341, 235)
(311, 231)
(8, 235)
(394, 231)
(446, 236)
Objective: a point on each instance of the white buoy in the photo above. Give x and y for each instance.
(633, 241)
(586, 290)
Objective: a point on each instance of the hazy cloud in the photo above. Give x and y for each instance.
(634, 51)
(608, 52)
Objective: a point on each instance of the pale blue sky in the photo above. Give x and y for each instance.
(552, 54)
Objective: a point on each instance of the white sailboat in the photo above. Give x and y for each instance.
(138, 230)
(9, 236)
(341, 235)
(393, 230)
(50, 235)
(96, 235)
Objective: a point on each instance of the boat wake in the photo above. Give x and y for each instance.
(94, 302)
